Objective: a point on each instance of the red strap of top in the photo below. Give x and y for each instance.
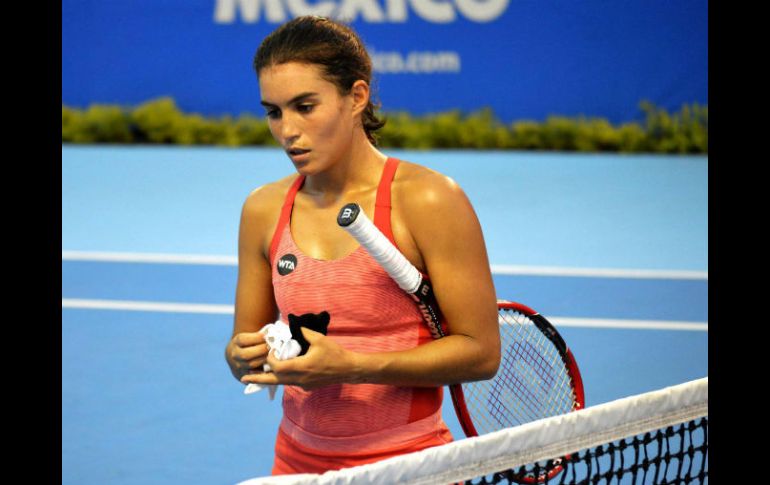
(285, 214)
(382, 206)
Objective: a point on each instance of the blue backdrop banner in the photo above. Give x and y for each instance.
(525, 59)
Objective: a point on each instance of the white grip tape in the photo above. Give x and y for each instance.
(385, 253)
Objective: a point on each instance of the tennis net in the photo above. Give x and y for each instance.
(658, 437)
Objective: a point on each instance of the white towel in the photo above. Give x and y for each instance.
(279, 341)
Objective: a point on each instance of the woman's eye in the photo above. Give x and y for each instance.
(305, 108)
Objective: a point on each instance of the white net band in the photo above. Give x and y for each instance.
(539, 440)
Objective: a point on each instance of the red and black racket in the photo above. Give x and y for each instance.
(538, 376)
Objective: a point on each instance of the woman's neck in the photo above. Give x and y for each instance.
(358, 169)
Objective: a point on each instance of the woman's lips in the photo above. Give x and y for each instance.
(298, 155)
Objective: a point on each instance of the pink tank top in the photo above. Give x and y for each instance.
(368, 313)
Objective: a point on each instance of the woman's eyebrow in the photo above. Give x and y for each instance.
(293, 100)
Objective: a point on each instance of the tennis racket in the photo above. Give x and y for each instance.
(538, 376)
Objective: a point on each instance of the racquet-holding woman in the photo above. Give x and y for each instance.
(371, 388)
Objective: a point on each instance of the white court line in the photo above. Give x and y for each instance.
(113, 257)
(146, 306)
(170, 307)
(630, 324)
(501, 269)
(600, 272)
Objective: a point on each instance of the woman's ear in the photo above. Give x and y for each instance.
(360, 95)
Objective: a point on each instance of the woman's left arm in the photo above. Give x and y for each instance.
(447, 233)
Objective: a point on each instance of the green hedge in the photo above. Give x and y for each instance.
(160, 121)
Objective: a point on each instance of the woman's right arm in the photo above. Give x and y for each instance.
(254, 301)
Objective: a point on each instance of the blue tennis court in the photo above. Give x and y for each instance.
(612, 248)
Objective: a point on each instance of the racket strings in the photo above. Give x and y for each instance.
(543, 368)
(532, 382)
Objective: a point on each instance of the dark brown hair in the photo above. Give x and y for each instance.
(332, 45)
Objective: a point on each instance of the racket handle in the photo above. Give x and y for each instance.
(354, 221)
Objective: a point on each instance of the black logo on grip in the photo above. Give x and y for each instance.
(348, 214)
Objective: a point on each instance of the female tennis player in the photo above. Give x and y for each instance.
(371, 387)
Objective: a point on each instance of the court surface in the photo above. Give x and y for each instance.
(613, 249)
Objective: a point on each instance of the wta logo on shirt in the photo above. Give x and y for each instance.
(286, 264)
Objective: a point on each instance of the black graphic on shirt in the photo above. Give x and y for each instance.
(316, 322)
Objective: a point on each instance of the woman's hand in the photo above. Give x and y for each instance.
(246, 353)
(326, 362)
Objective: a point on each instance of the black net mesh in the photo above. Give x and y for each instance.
(659, 437)
(673, 455)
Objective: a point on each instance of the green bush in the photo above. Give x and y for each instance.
(98, 124)
(683, 132)
(481, 130)
(160, 121)
(402, 131)
(632, 138)
(442, 130)
(69, 123)
(445, 130)
(526, 135)
(197, 130)
(250, 130)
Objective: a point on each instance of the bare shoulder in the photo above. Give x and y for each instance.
(266, 199)
(421, 189)
(439, 219)
(261, 211)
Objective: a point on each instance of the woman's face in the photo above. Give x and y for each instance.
(307, 115)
